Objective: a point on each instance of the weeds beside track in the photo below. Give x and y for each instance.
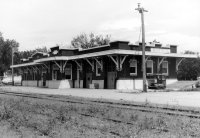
(95, 109)
(145, 107)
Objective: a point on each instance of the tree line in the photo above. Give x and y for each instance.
(83, 41)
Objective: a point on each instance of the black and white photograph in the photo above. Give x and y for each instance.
(99, 69)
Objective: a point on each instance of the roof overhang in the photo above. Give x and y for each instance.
(104, 53)
(118, 52)
(24, 65)
(56, 58)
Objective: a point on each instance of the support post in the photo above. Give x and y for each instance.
(116, 62)
(122, 61)
(99, 63)
(64, 65)
(91, 63)
(79, 65)
(60, 67)
(178, 62)
(159, 63)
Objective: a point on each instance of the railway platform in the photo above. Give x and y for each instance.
(191, 99)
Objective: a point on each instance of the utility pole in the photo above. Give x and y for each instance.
(141, 11)
(12, 65)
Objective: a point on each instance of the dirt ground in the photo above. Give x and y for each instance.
(168, 98)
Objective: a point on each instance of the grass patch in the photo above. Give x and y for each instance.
(26, 117)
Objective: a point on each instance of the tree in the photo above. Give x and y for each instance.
(87, 41)
(189, 69)
(189, 52)
(6, 53)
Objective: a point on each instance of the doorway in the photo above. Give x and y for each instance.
(43, 79)
(111, 76)
(88, 79)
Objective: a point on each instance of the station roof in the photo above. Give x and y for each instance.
(104, 53)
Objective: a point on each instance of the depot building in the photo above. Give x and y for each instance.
(114, 66)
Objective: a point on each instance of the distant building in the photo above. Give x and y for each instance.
(114, 66)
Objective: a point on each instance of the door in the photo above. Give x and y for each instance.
(43, 79)
(111, 80)
(88, 79)
(78, 78)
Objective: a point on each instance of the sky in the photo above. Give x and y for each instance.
(38, 23)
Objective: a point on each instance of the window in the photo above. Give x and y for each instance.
(98, 69)
(55, 72)
(68, 71)
(133, 67)
(149, 67)
(165, 67)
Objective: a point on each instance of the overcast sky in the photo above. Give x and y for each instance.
(38, 23)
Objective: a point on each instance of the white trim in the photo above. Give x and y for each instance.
(133, 60)
(55, 58)
(113, 51)
(24, 65)
(167, 68)
(96, 47)
(103, 53)
(99, 65)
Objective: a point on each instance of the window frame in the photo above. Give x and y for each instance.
(70, 71)
(167, 67)
(151, 67)
(98, 67)
(133, 60)
(56, 72)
